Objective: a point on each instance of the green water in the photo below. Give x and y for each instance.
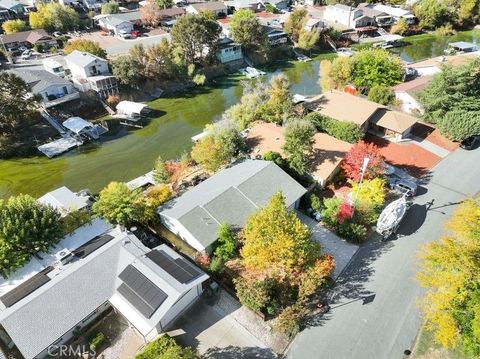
(126, 154)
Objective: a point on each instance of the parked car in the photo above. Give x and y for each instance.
(22, 48)
(403, 186)
(136, 33)
(26, 54)
(124, 34)
(470, 143)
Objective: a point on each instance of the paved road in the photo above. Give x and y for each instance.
(374, 306)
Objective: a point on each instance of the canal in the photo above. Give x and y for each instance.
(125, 154)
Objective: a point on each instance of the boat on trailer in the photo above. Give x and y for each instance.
(391, 217)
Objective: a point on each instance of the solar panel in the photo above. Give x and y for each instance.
(145, 296)
(92, 245)
(179, 268)
(26, 288)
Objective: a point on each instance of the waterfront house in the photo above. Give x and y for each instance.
(229, 196)
(346, 17)
(119, 23)
(217, 7)
(229, 51)
(29, 39)
(254, 5)
(47, 302)
(90, 72)
(396, 13)
(65, 201)
(275, 36)
(328, 152)
(52, 89)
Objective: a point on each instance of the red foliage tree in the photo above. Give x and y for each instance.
(353, 161)
(344, 212)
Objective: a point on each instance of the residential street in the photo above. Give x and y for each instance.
(375, 311)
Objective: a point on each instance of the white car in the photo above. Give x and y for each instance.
(26, 54)
(124, 34)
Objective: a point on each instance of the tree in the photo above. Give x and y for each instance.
(85, 45)
(127, 71)
(308, 39)
(279, 105)
(335, 74)
(160, 172)
(164, 4)
(295, 23)
(254, 294)
(247, 31)
(226, 245)
(370, 194)
(326, 81)
(401, 27)
(193, 33)
(157, 195)
(384, 95)
(452, 100)
(150, 13)
(276, 243)
(449, 271)
(27, 227)
(17, 107)
(11, 26)
(353, 161)
(299, 144)
(247, 110)
(54, 17)
(165, 347)
(119, 205)
(376, 67)
(432, 13)
(110, 7)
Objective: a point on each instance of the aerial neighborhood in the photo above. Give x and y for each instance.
(239, 179)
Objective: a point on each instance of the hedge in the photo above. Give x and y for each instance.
(344, 131)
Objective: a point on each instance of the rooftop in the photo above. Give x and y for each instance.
(39, 80)
(64, 200)
(81, 58)
(209, 5)
(31, 36)
(413, 86)
(393, 120)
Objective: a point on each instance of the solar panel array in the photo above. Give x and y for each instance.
(145, 296)
(26, 288)
(92, 245)
(179, 268)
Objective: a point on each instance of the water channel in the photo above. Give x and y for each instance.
(126, 154)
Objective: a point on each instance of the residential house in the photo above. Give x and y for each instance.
(168, 17)
(28, 39)
(54, 67)
(43, 304)
(65, 201)
(406, 92)
(328, 152)
(275, 36)
(52, 89)
(217, 7)
(90, 72)
(229, 196)
(380, 18)
(93, 5)
(313, 24)
(10, 10)
(434, 65)
(346, 17)
(278, 4)
(370, 116)
(254, 5)
(121, 22)
(396, 12)
(229, 51)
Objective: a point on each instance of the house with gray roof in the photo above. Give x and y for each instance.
(52, 89)
(97, 267)
(121, 22)
(229, 196)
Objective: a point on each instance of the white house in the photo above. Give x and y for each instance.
(346, 17)
(229, 51)
(52, 89)
(396, 12)
(313, 24)
(217, 7)
(54, 67)
(90, 72)
(229, 196)
(65, 201)
(254, 5)
(121, 22)
(44, 303)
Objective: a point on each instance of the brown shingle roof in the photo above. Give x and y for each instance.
(172, 12)
(210, 5)
(396, 121)
(413, 86)
(31, 36)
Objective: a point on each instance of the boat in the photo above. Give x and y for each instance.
(251, 72)
(390, 218)
(345, 52)
(460, 47)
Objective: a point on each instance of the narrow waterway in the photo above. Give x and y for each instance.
(124, 154)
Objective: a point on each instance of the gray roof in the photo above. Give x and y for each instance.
(39, 80)
(462, 45)
(343, 7)
(81, 58)
(230, 196)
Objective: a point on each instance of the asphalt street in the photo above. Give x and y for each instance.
(375, 312)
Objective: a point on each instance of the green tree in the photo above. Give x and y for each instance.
(54, 17)
(247, 110)
(401, 27)
(307, 40)
(449, 271)
(164, 4)
(299, 144)
(127, 71)
(276, 243)
(335, 74)
(376, 67)
(432, 13)
(85, 45)
(160, 171)
(193, 33)
(11, 26)
(27, 227)
(254, 294)
(295, 23)
(165, 347)
(110, 7)
(247, 31)
(226, 244)
(384, 95)
(119, 205)
(279, 105)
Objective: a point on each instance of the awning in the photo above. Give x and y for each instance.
(130, 107)
(76, 124)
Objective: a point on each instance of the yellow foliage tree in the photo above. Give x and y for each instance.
(326, 82)
(209, 152)
(450, 272)
(157, 195)
(12, 26)
(371, 193)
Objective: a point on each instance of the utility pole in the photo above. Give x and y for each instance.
(364, 168)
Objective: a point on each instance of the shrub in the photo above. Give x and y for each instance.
(330, 211)
(74, 220)
(315, 202)
(384, 95)
(344, 131)
(254, 294)
(113, 100)
(157, 195)
(288, 322)
(165, 347)
(353, 232)
(401, 27)
(216, 265)
(96, 340)
(226, 243)
(446, 30)
(344, 212)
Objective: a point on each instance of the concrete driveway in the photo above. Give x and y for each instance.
(339, 248)
(374, 307)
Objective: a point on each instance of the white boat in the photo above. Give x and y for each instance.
(391, 217)
(345, 52)
(251, 72)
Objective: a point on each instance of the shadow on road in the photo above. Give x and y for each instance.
(233, 352)
(413, 220)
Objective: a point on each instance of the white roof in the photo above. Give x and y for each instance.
(64, 200)
(81, 58)
(76, 124)
(141, 181)
(130, 107)
(391, 10)
(199, 136)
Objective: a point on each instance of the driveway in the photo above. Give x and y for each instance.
(213, 331)
(374, 306)
(339, 248)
